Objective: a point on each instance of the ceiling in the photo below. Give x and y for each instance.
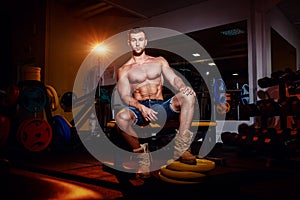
(291, 9)
(227, 51)
(146, 9)
(135, 8)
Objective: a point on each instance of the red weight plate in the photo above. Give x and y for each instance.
(12, 95)
(35, 134)
(4, 129)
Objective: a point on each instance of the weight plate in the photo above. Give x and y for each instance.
(35, 134)
(223, 108)
(219, 88)
(66, 101)
(245, 94)
(33, 99)
(62, 130)
(4, 129)
(12, 95)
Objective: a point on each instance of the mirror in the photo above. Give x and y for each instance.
(228, 47)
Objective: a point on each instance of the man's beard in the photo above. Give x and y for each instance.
(138, 53)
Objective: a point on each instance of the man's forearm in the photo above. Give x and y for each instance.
(179, 84)
(130, 101)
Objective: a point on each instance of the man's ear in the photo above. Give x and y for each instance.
(146, 42)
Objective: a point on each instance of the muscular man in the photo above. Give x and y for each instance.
(140, 83)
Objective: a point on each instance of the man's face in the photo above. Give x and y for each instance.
(137, 42)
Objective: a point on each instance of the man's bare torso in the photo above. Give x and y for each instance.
(145, 78)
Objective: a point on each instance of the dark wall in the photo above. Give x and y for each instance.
(22, 37)
(6, 71)
(284, 55)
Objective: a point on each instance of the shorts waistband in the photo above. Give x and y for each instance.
(150, 100)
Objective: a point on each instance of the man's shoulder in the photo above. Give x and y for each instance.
(157, 58)
(125, 67)
(161, 58)
(126, 63)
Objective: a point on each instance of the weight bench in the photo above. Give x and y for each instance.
(159, 136)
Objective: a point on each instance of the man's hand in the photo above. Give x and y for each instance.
(187, 91)
(148, 113)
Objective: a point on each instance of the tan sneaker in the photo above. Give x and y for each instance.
(143, 158)
(182, 148)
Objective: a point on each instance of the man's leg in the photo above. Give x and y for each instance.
(183, 138)
(186, 106)
(124, 121)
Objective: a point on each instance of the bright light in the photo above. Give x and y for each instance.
(235, 74)
(211, 64)
(196, 54)
(207, 73)
(100, 49)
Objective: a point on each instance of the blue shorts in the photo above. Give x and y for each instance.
(164, 109)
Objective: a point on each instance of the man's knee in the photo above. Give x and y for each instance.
(123, 117)
(187, 99)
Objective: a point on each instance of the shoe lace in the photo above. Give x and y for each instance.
(144, 158)
(182, 142)
(185, 139)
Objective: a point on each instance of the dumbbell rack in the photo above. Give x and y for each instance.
(272, 134)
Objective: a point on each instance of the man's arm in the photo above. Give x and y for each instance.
(124, 90)
(176, 82)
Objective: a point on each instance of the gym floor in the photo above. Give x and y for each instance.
(75, 174)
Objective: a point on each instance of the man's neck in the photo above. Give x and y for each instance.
(140, 58)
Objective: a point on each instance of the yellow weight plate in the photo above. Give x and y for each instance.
(170, 180)
(181, 175)
(203, 165)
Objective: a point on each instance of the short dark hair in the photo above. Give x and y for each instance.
(136, 30)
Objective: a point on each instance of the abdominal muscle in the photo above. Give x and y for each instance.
(148, 91)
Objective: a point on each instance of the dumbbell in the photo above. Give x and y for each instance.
(10, 96)
(245, 137)
(229, 138)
